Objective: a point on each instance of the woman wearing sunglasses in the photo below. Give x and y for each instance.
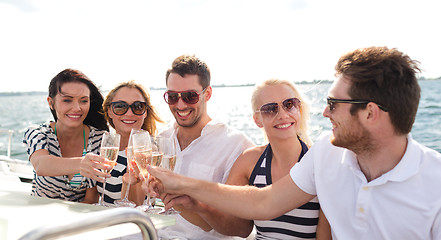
(280, 110)
(60, 150)
(126, 107)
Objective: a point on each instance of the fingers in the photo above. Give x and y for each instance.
(95, 167)
(170, 181)
(171, 200)
(130, 177)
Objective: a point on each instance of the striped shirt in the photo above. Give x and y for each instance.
(58, 187)
(114, 183)
(300, 223)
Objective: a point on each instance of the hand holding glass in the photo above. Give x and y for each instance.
(125, 202)
(167, 146)
(109, 150)
(142, 153)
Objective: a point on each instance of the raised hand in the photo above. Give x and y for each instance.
(133, 177)
(171, 200)
(92, 166)
(163, 181)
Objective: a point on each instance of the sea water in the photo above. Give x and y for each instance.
(230, 105)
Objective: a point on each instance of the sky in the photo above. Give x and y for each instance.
(242, 41)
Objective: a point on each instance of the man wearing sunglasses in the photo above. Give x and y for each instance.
(207, 149)
(372, 179)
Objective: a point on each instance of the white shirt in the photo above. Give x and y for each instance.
(404, 203)
(209, 157)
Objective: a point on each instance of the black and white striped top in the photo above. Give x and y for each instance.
(114, 183)
(58, 187)
(300, 223)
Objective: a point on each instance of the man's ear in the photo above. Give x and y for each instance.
(208, 92)
(373, 111)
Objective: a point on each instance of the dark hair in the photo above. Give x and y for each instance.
(187, 64)
(95, 116)
(384, 76)
(152, 116)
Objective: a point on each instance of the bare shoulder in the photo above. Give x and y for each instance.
(244, 165)
(251, 155)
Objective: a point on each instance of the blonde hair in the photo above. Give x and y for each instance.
(152, 116)
(302, 132)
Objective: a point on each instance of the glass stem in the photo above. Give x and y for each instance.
(102, 194)
(148, 194)
(147, 201)
(126, 196)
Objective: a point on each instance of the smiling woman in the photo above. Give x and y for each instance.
(127, 106)
(58, 150)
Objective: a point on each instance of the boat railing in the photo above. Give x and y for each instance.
(95, 221)
(10, 132)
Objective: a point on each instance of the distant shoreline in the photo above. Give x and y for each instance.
(34, 93)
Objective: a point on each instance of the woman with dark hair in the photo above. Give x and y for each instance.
(60, 151)
(126, 107)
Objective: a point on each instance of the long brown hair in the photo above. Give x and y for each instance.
(95, 116)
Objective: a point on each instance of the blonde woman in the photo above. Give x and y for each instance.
(126, 107)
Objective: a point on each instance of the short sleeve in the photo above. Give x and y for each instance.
(91, 183)
(302, 173)
(35, 139)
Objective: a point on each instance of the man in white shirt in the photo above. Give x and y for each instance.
(207, 149)
(372, 179)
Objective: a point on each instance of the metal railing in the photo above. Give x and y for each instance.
(9, 140)
(94, 221)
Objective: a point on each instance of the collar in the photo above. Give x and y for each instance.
(211, 126)
(406, 168)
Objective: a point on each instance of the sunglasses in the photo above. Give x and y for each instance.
(332, 101)
(270, 110)
(121, 107)
(189, 97)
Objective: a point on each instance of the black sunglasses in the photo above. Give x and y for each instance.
(270, 110)
(332, 101)
(121, 107)
(189, 97)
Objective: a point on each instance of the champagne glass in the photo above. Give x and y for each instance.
(167, 146)
(109, 150)
(125, 202)
(156, 161)
(142, 152)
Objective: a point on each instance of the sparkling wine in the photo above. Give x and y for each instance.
(156, 158)
(143, 158)
(169, 161)
(129, 154)
(111, 154)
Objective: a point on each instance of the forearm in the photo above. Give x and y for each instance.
(49, 165)
(234, 200)
(247, 202)
(224, 223)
